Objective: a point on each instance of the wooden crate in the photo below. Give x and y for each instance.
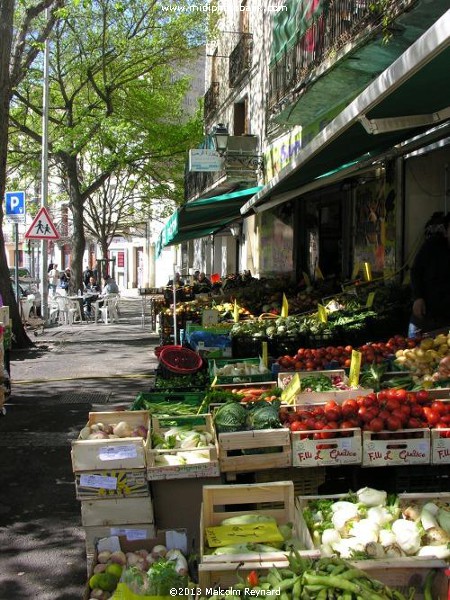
(200, 423)
(131, 532)
(91, 485)
(335, 451)
(405, 447)
(232, 445)
(224, 575)
(126, 511)
(120, 453)
(408, 563)
(440, 447)
(271, 499)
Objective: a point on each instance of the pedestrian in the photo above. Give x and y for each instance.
(64, 282)
(87, 273)
(53, 278)
(430, 278)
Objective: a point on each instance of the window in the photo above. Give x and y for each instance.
(240, 120)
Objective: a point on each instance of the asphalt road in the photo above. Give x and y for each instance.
(71, 371)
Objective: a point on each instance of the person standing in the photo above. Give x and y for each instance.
(430, 278)
(53, 279)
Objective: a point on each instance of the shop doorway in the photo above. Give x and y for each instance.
(323, 238)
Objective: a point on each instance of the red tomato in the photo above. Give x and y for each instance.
(401, 395)
(382, 395)
(376, 424)
(384, 414)
(446, 419)
(370, 400)
(326, 435)
(432, 416)
(296, 426)
(414, 423)
(310, 423)
(439, 407)
(398, 414)
(417, 410)
(392, 404)
(349, 407)
(393, 423)
(405, 409)
(422, 396)
(333, 415)
(318, 411)
(391, 394)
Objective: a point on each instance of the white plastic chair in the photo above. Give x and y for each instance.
(26, 306)
(53, 312)
(63, 309)
(108, 310)
(74, 311)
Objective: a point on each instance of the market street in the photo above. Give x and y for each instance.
(72, 370)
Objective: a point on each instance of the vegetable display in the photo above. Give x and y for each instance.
(105, 431)
(234, 416)
(304, 579)
(193, 446)
(370, 524)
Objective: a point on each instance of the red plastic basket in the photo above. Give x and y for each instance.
(180, 360)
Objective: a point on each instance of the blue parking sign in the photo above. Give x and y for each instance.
(15, 205)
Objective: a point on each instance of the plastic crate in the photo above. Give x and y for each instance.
(144, 400)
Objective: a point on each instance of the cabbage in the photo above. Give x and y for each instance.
(232, 416)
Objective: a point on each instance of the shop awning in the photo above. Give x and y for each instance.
(203, 217)
(407, 99)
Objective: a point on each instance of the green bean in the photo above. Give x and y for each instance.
(322, 595)
(296, 589)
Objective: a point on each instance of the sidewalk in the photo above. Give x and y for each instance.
(72, 370)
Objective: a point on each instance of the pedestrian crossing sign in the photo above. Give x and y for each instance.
(42, 227)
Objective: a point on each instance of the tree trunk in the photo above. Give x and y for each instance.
(78, 237)
(21, 339)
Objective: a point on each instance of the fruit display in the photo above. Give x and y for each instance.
(370, 524)
(142, 571)
(425, 358)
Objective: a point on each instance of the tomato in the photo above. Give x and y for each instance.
(392, 404)
(439, 406)
(393, 423)
(376, 424)
(296, 426)
(432, 416)
(370, 400)
(384, 414)
(310, 424)
(382, 395)
(422, 396)
(390, 394)
(401, 395)
(446, 419)
(405, 409)
(333, 414)
(292, 417)
(252, 579)
(327, 435)
(349, 407)
(318, 411)
(347, 424)
(367, 414)
(417, 410)
(414, 423)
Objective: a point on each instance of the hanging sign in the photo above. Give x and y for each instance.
(284, 307)
(42, 227)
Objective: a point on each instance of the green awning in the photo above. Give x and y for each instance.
(408, 99)
(203, 217)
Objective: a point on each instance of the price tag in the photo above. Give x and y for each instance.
(355, 368)
(306, 279)
(265, 354)
(177, 539)
(323, 315)
(117, 452)
(367, 270)
(210, 317)
(224, 535)
(370, 298)
(291, 390)
(355, 271)
(98, 481)
(130, 534)
(284, 307)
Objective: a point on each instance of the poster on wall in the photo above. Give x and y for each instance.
(276, 242)
(375, 226)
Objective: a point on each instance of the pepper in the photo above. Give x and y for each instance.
(252, 579)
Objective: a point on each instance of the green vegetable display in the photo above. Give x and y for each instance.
(324, 579)
(233, 416)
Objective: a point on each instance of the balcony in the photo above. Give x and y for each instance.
(211, 101)
(240, 60)
(341, 50)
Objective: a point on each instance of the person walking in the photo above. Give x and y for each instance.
(53, 279)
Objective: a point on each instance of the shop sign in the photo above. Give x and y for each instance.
(205, 159)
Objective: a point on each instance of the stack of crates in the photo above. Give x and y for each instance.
(111, 480)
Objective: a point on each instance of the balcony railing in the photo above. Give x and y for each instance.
(340, 22)
(195, 182)
(240, 59)
(211, 102)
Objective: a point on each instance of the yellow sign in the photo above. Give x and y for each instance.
(323, 315)
(306, 279)
(236, 312)
(355, 271)
(355, 368)
(291, 390)
(265, 354)
(284, 307)
(224, 535)
(367, 270)
(370, 298)
(318, 273)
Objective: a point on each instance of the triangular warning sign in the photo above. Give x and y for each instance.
(42, 227)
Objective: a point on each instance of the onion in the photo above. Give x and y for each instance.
(140, 431)
(85, 433)
(159, 551)
(108, 429)
(143, 553)
(118, 557)
(122, 429)
(132, 559)
(104, 556)
(98, 435)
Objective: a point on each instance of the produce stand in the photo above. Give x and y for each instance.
(323, 443)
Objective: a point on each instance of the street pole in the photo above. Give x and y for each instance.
(44, 177)
(16, 270)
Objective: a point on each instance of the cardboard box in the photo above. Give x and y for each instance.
(243, 451)
(274, 499)
(201, 423)
(404, 447)
(134, 532)
(111, 484)
(116, 453)
(125, 511)
(335, 451)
